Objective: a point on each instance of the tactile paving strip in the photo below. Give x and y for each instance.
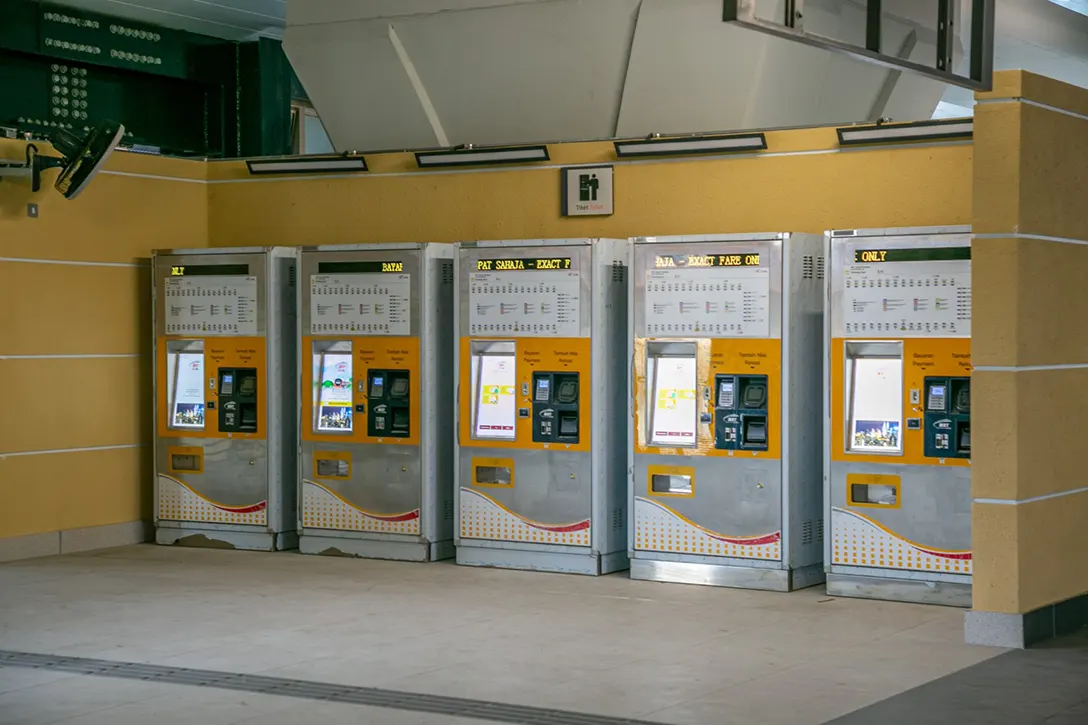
(308, 690)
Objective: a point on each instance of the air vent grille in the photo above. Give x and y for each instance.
(447, 511)
(808, 267)
(819, 529)
(619, 272)
(619, 516)
(819, 267)
(807, 532)
(447, 272)
(291, 275)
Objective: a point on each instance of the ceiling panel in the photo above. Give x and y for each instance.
(229, 19)
(513, 71)
(355, 79)
(547, 71)
(309, 12)
(665, 66)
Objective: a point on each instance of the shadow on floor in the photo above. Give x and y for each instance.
(1047, 685)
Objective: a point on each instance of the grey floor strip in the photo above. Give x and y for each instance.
(1047, 685)
(349, 694)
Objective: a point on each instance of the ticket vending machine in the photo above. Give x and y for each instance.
(541, 467)
(225, 408)
(898, 443)
(726, 335)
(376, 463)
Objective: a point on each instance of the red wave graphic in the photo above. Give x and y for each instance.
(411, 515)
(758, 541)
(241, 509)
(963, 556)
(564, 529)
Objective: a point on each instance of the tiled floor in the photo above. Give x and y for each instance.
(610, 646)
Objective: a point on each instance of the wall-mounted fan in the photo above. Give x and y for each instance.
(80, 160)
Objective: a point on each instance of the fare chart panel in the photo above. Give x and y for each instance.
(723, 301)
(529, 298)
(908, 292)
(211, 306)
(367, 304)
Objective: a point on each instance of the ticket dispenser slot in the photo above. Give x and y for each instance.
(237, 400)
(740, 412)
(948, 417)
(389, 397)
(555, 407)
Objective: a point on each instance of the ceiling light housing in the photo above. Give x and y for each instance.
(493, 156)
(691, 145)
(938, 130)
(307, 165)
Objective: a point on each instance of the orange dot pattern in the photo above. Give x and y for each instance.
(856, 541)
(321, 509)
(659, 528)
(482, 518)
(179, 503)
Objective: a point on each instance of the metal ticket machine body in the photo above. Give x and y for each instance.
(376, 464)
(541, 476)
(225, 407)
(725, 398)
(898, 442)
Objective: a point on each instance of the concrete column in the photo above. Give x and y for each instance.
(1030, 351)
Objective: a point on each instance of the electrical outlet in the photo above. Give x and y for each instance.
(32, 211)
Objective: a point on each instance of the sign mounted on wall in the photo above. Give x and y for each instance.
(587, 191)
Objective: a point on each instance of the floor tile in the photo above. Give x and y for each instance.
(16, 678)
(606, 645)
(66, 698)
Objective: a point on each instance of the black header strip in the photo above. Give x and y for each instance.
(920, 254)
(208, 270)
(361, 267)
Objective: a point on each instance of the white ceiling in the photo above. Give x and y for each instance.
(230, 19)
(418, 73)
(414, 73)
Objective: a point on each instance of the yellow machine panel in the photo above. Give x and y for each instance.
(367, 353)
(714, 357)
(565, 355)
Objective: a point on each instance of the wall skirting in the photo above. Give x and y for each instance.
(73, 541)
(1020, 631)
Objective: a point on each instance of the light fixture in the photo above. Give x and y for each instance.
(307, 164)
(470, 156)
(939, 130)
(691, 145)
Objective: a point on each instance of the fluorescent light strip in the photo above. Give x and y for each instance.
(482, 157)
(674, 147)
(303, 166)
(906, 132)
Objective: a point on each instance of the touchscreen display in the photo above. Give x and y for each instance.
(334, 399)
(188, 407)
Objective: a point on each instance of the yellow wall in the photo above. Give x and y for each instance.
(801, 184)
(75, 337)
(1030, 267)
(74, 356)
